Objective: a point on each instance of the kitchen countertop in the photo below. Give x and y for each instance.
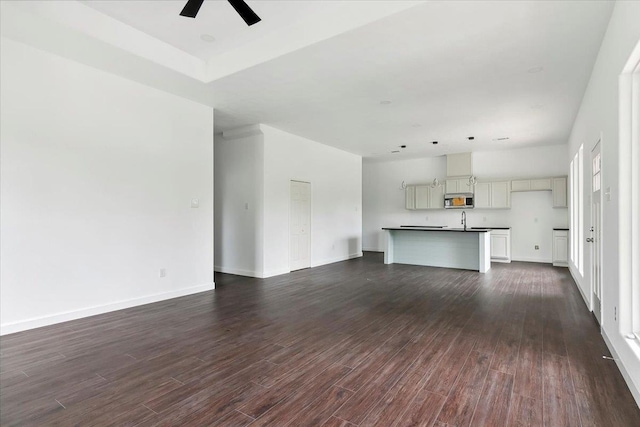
(458, 230)
(431, 227)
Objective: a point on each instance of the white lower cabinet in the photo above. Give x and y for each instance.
(500, 245)
(561, 248)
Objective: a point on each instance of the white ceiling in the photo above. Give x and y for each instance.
(321, 69)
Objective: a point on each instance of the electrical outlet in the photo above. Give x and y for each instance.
(163, 272)
(537, 247)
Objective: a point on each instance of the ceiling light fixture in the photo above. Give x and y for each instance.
(395, 151)
(207, 38)
(471, 138)
(403, 146)
(435, 142)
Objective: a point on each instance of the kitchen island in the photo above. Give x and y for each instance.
(467, 249)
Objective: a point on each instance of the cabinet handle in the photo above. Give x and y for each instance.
(590, 239)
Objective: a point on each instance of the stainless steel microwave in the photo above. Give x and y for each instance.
(458, 201)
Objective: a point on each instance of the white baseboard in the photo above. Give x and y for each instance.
(336, 259)
(237, 271)
(525, 259)
(372, 250)
(635, 391)
(264, 275)
(24, 325)
(577, 282)
(275, 273)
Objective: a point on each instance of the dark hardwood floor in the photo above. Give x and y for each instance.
(352, 343)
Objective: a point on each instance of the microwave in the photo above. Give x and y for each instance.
(458, 201)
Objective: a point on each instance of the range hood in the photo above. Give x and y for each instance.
(459, 165)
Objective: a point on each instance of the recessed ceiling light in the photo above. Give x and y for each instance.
(435, 142)
(207, 38)
(403, 146)
(395, 151)
(385, 102)
(535, 70)
(471, 138)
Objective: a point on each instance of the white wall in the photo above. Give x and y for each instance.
(255, 165)
(531, 216)
(239, 192)
(598, 118)
(336, 199)
(97, 176)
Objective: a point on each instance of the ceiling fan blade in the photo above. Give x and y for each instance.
(191, 9)
(245, 12)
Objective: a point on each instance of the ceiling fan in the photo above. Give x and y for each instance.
(192, 7)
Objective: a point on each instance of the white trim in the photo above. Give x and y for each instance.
(335, 259)
(635, 391)
(575, 280)
(628, 206)
(372, 250)
(272, 273)
(23, 325)
(238, 271)
(526, 259)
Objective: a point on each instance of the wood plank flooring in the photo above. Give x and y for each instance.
(356, 343)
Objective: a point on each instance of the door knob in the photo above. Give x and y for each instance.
(590, 239)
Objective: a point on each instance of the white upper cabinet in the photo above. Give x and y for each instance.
(492, 195)
(482, 195)
(501, 194)
(521, 185)
(424, 197)
(558, 187)
(458, 185)
(410, 197)
(436, 197)
(560, 192)
(541, 184)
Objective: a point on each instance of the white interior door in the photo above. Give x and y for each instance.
(300, 226)
(594, 239)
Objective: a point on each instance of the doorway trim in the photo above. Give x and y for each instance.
(291, 181)
(595, 236)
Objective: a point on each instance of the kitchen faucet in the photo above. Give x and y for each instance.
(464, 220)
